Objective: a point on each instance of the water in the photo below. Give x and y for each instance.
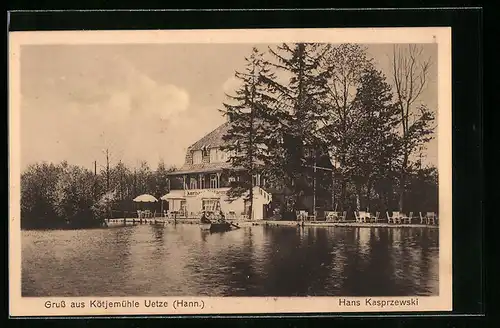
(177, 260)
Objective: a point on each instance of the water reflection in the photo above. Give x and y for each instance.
(254, 261)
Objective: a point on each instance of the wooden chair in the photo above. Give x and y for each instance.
(343, 217)
(396, 217)
(375, 218)
(405, 219)
(231, 215)
(431, 217)
(389, 219)
(330, 216)
(422, 218)
(410, 217)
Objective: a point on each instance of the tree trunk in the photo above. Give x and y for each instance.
(343, 191)
(359, 203)
(401, 195)
(250, 209)
(402, 182)
(368, 195)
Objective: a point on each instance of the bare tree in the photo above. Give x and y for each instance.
(345, 65)
(410, 70)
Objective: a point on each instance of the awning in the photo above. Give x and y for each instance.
(173, 195)
(208, 194)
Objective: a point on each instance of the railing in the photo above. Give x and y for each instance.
(267, 196)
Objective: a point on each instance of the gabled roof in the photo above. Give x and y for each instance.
(212, 139)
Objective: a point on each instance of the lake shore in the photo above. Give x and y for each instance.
(243, 223)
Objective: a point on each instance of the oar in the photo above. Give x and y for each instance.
(234, 225)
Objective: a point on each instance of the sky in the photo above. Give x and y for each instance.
(142, 102)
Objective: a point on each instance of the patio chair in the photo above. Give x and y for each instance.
(404, 218)
(343, 217)
(431, 217)
(410, 217)
(364, 216)
(375, 218)
(165, 214)
(423, 219)
(356, 216)
(396, 217)
(389, 219)
(139, 214)
(330, 216)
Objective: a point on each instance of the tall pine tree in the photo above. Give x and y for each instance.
(296, 114)
(246, 135)
(374, 146)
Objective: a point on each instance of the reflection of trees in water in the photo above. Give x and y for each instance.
(253, 261)
(298, 262)
(226, 266)
(412, 259)
(158, 242)
(366, 268)
(370, 272)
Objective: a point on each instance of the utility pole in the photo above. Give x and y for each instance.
(314, 191)
(107, 169)
(94, 190)
(314, 181)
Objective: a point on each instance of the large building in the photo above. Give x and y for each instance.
(204, 180)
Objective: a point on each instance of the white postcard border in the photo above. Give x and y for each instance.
(34, 306)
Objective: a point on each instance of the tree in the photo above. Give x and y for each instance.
(245, 138)
(120, 177)
(345, 65)
(410, 73)
(74, 195)
(160, 179)
(143, 179)
(38, 194)
(296, 114)
(374, 145)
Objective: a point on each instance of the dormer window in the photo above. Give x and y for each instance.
(197, 156)
(204, 151)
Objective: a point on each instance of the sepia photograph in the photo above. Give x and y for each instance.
(179, 172)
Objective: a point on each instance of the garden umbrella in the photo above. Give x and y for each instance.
(145, 198)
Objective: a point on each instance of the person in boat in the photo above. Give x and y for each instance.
(204, 218)
(222, 218)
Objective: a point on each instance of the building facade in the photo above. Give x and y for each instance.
(204, 180)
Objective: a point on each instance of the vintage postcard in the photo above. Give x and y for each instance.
(230, 171)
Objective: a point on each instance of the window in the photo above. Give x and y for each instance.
(202, 182)
(213, 155)
(208, 204)
(213, 181)
(197, 157)
(204, 151)
(183, 208)
(193, 184)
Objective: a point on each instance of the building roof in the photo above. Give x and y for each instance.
(201, 168)
(212, 139)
